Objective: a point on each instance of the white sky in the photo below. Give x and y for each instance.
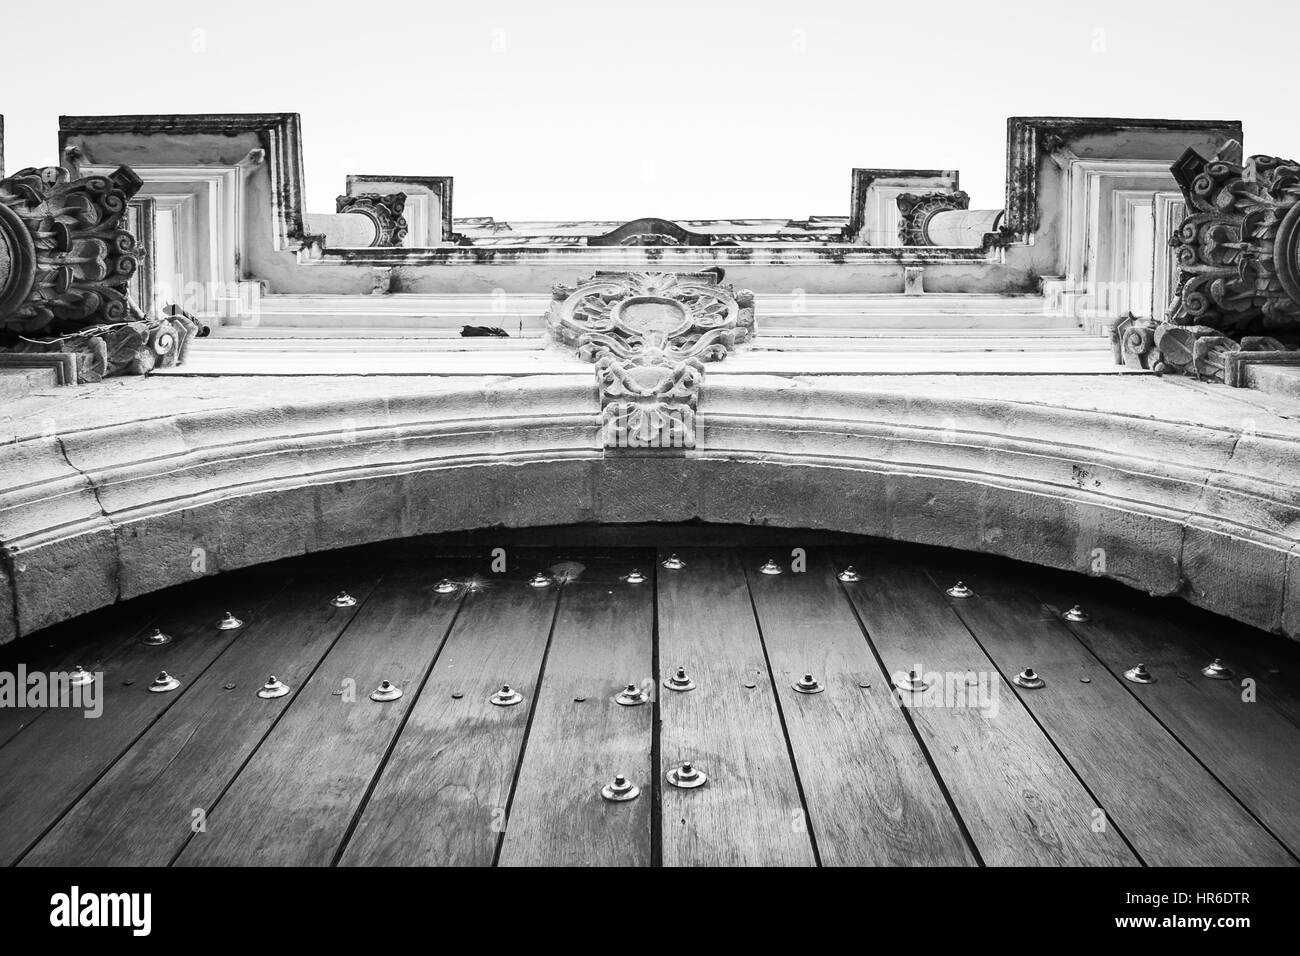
(577, 109)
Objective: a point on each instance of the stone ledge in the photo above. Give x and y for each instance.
(121, 497)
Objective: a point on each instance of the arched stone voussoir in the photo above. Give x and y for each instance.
(1179, 506)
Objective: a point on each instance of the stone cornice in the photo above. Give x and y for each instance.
(279, 133)
(1031, 137)
(652, 257)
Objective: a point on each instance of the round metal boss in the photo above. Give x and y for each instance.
(274, 687)
(674, 563)
(229, 622)
(630, 696)
(81, 677)
(1139, 674)
(163, 683)
(343, 599)
(635, 577)
(1027, 678)
(539, 580)
(687, 776)
(960, 590)
(679, 680)
(507, 696)
(1077, 615)
(445, 586)
(913, 681)
(1217, 670)
(849, 574)
(808, 685)
(771, 567)
(620, 790)
(157, 638)
(386, 691)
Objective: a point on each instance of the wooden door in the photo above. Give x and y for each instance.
(772, 669)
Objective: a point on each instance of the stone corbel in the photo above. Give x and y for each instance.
(383, 209)
(1238, 256)
(66, 264)
(944, 219)
(915, 211)
(650, 336)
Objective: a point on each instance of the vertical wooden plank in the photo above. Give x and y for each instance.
(871, 795)
(1248, 738)
(141, 812)
(579, 737)
(50, 764)
(1172, 811)
(295, 800)
(442, 797)
(752, 813)
(1020, 801)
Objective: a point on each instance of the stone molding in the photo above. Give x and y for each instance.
(102, 504)
(649, 335)
(278, 134)
(1032, 139)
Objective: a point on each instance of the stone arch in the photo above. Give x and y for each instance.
(109, 509)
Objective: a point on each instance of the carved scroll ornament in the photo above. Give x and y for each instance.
(65, 259)
(1238, 257)
(383, 209)
(650, 335)
(66, 265)
(916, 210)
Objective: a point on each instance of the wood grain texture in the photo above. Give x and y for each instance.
(141, 812)
(871, 795)
(1250, 741)
(48, 766)
(603, 640)
(294, 801)
(1171, 810)
(1021, 802)
(751, 812)
(80, 641)
(442, 797)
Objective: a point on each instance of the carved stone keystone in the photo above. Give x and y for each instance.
(649, 335)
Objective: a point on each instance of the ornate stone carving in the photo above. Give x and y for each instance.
(383, 209)
(127, 348)
(67, 262)
(1238, 255)
(649, 335)
(915, 211)
(66, 259)
(1238, 250)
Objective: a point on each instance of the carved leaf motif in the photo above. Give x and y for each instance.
(83, 261)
